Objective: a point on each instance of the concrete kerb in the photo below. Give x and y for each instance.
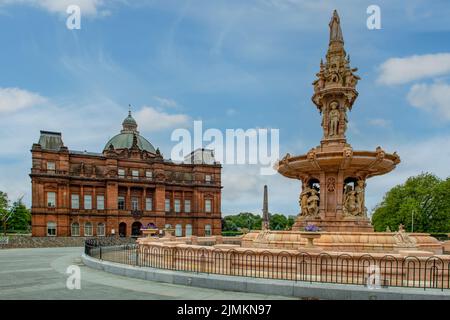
(327, 291)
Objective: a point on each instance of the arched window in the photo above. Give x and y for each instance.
(75, 229)
(88, 229)
(51, 229)
(178, 230)
(207, 230)
(101, 229)
(188, 232)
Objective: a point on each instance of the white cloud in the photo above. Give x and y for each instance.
(88, 7)
(166, 102)
(379, 122)
(231, 112)
(14, 99)
(416, 157)
(85, 124)
(403, 70)
(431, 97)
(152, 119)
(243, 191)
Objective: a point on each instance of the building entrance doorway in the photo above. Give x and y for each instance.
(136, 229)
(122, 229)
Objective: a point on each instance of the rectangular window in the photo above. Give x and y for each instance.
(167, 205)
(121, 173)
(87, 202)
(134, 203)
(100, 202)
(88, 229)
(188, 231)
(208, 230)
(51, 199)
(75, 201)
(121, 203)
(149, 204)
(75, 229)
(135, 174)
(178, 230)
(208, 205)
(101, 229)
(51, 229)
(51, 166)
(149, 175)
(177, 205)
(208, 178)
(187, 206)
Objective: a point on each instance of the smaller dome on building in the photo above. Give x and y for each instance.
(129, 124)
(128, 136)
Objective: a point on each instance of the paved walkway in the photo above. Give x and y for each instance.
(40, 274)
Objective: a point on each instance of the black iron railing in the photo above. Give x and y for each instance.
(367, 270)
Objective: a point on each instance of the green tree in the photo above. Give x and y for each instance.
(20, 218)
(278, 222)
(5, 212)
(242, 220)
(422, 202)
(291, 221)
(14, 217)
(252, 221)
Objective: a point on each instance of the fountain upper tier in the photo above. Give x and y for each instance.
(342, 159)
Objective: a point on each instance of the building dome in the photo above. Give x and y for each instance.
(125, 139)
(129, 124)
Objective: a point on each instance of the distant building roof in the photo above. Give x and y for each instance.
(51, 140)
(201, 156)
(96, 154)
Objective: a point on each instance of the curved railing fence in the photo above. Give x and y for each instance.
(356, 269)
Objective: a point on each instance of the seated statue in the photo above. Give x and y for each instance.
(350, 205)
(403, 239)
(309, 202)
(313, 203)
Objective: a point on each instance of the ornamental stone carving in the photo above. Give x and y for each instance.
(331, 184)
(402, 239)
(334, 116)
(353, 205)
(309, 202)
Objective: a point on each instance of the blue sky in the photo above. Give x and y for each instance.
(232, 64)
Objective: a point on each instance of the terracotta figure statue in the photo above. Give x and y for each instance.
(313, 203)
(304, 199)
(334, 116)
(359, 189)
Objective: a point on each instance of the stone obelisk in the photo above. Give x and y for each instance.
(266, 218)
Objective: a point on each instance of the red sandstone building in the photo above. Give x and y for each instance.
(116, 192)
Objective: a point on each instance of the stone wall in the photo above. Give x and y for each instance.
(49, 242)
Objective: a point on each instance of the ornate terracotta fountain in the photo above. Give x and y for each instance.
(333, 175)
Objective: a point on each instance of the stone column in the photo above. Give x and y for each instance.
(144, 199)
(94, 197)
(339, 194)
(128, 199)
(81, 198)
(323, 199)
